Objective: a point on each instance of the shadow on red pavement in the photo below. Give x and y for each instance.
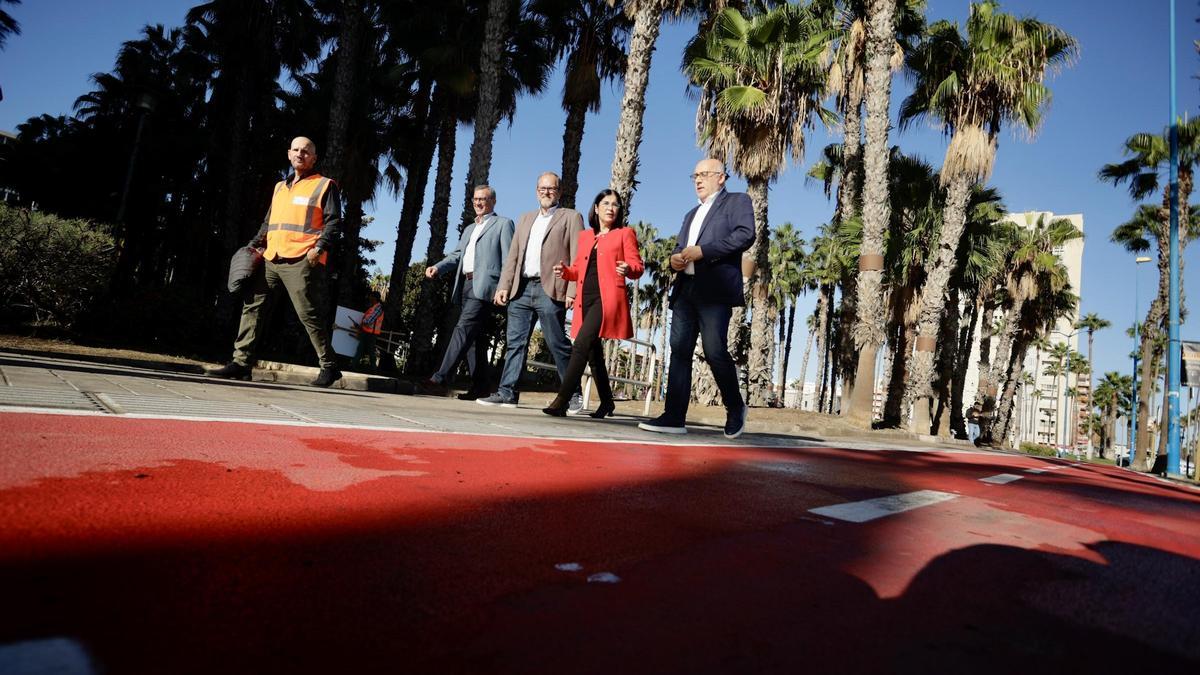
(197, 569)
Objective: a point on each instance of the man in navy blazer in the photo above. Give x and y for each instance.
(476, 262)
(708, 285)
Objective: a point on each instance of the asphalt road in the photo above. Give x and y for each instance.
(144, 543)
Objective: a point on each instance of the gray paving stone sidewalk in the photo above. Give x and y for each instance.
(57, 383)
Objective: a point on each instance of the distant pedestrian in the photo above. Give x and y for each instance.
(369, 330)
(477, 262)
(298, 232)
(707, 286)
(974, 418)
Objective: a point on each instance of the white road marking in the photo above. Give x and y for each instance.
(604, 578)
(1044, 469)
(1001, 478)
(870, 509)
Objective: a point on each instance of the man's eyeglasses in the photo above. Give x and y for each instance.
(547, 190)
(479, 200)
(706, 174)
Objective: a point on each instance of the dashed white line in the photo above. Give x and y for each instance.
(1001, 478)
(870, 509)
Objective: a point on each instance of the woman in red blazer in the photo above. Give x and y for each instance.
(607, 255)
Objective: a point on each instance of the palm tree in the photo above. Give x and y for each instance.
(761, 85)
(1091, 322)
(787, 263)
(1137, 235)
(972, 85)
(251, 43)
(8, 25)
(506, 24)
(1032, 269)
(1077, 365)
(592, 35)
(647, 16)
(882, 56)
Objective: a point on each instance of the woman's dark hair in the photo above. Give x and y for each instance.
(594, 220)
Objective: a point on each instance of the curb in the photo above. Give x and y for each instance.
(147, 364)
(290, 373)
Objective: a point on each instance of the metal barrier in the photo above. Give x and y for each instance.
(587, 373)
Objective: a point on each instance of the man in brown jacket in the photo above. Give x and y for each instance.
(531, 292)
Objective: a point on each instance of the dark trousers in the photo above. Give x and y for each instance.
(531, 305)
(469, 340)
(588, 348)
(692, 318)
(305, 285)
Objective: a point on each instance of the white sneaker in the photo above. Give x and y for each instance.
(575, 407)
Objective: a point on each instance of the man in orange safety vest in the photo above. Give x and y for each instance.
(300, 228)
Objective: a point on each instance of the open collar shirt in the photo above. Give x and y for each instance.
(533, 249)
(698, 223)
(468, 266)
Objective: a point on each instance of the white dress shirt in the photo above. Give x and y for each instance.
(468, 266)
(533, 249)
(698, 223)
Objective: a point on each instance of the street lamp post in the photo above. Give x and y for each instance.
(1174, 355)
(1134, 405)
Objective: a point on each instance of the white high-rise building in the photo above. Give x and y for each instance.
(1047, 416)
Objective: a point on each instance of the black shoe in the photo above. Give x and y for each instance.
(735, 422)
(326, 377)
(663, 426)
(231, 370)
(605, 409)
(557, 407)
(472, 395)
(428, 387)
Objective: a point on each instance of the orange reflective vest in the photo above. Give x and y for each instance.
(295, 221)
(373, 320)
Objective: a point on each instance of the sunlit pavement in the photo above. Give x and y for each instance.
(158, 523)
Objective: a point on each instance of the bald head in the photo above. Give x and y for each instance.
(708, 177)
(302, 154)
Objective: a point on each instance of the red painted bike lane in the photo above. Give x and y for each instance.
(170, 546)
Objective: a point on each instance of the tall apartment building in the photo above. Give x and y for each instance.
(1043, 412)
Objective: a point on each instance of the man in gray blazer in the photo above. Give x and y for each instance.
(531, 291)
(476, 261)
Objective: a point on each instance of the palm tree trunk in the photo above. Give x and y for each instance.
(869, 331)
(947, 356)
(808, 344)
(414, 201)
(918, 386)
(1012, 323)
(1091, 386)
(646, 24)
(353, 26)
(847, 363)
(762, 318)
(349, 60)
(433, 298)
(848, 201)
(1149, 351)
(572, 142)
(965, 341)
(1004, 406)
(487, 107)
(787, 353)
(781, 378)
(823, 302)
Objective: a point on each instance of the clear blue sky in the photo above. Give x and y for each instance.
(1118, 87)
